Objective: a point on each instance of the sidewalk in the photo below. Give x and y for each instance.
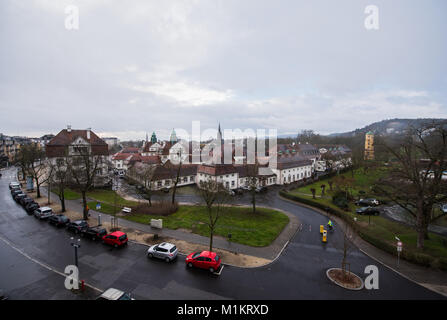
(435, 280)
(270, 252)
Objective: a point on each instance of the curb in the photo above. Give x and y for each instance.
(340, 285)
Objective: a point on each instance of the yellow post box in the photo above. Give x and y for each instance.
(324, 237)
(321, 228)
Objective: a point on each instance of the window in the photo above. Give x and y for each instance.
(232, 183)
(185, 179)
(191, 178)
(159, 183)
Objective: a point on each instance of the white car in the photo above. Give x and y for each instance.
(114, 294)
(444, 208)
(165, 250)
(43, 212)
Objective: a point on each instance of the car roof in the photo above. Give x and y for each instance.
(112, 294)
(208, 254)
(166, 245)
(78, 221)
(45, 208)
(117, 233)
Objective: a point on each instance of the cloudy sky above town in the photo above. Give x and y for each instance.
(137, 66)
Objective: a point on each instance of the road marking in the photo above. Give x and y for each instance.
(46, 266)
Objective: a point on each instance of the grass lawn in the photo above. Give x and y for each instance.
(69, 194)
(108, 196)
(255, 230)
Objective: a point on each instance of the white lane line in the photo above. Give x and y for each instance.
(23, 253)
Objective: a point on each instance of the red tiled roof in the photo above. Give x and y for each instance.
(216, 169)
(57, 146)
(121, 156)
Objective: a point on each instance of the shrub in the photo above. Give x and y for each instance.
(339, 199)
(163, 208)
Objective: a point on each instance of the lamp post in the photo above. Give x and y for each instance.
(76, 245)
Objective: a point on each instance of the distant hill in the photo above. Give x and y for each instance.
(389, 127)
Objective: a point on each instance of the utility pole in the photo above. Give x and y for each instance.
(76, 245)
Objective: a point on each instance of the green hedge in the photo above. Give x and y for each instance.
(414, 257)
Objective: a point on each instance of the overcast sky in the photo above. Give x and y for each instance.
(137, 66)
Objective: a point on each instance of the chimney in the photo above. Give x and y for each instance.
(69, 128)
(88, 133)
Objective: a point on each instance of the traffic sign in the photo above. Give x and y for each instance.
(98, 206)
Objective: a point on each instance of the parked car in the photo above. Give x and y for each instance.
(368, 202)
(165, 250)
(93, 233)
(15, 191)
(25, 200)
(260, 189)
(14, 185)
(59, 220)
(114, 294)
(77, 226)
(205, 260)
(165, 189)
(116, 239)
(19, 196)
(43, 213)
(246, 188)
(231, 193)
(30, 207)
(368, 211)
(444, 208)
(239, 191)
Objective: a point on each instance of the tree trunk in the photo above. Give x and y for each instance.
(420, 228)
(62, 198)
(38, 189)
(253, 201)
(84, 205)
(211, 238)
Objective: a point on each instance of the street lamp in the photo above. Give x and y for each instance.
(76, 245)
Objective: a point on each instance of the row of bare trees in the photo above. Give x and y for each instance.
(78, 170)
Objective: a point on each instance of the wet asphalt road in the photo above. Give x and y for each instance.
(298, 274)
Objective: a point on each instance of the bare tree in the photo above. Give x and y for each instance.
(31, 158)
(214, 195)
(84, 169)
(61, 177)
(255, 182)
(346, 247)
(416, 181)
(177, 176)
(147, 177)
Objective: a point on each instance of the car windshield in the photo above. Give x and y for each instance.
(173, 249)
(125, 296)
(217, 258)
(123, 237)
(195, 255)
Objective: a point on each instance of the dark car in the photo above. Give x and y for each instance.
(94, 233)
(238, 191)
(30, 207)
(77, 226)
(18, 196)
(59, 220)
(25, 200)
(15, 191)
(368, 211)
(370, 202)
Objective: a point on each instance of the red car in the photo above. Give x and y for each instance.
(205, 260)
(115, 239)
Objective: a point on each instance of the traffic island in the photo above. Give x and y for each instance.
(345, 279)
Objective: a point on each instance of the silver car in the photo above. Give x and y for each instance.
(165, 250)
(43, 213)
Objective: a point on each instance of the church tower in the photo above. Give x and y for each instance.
(173, 139)
(153, 138)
